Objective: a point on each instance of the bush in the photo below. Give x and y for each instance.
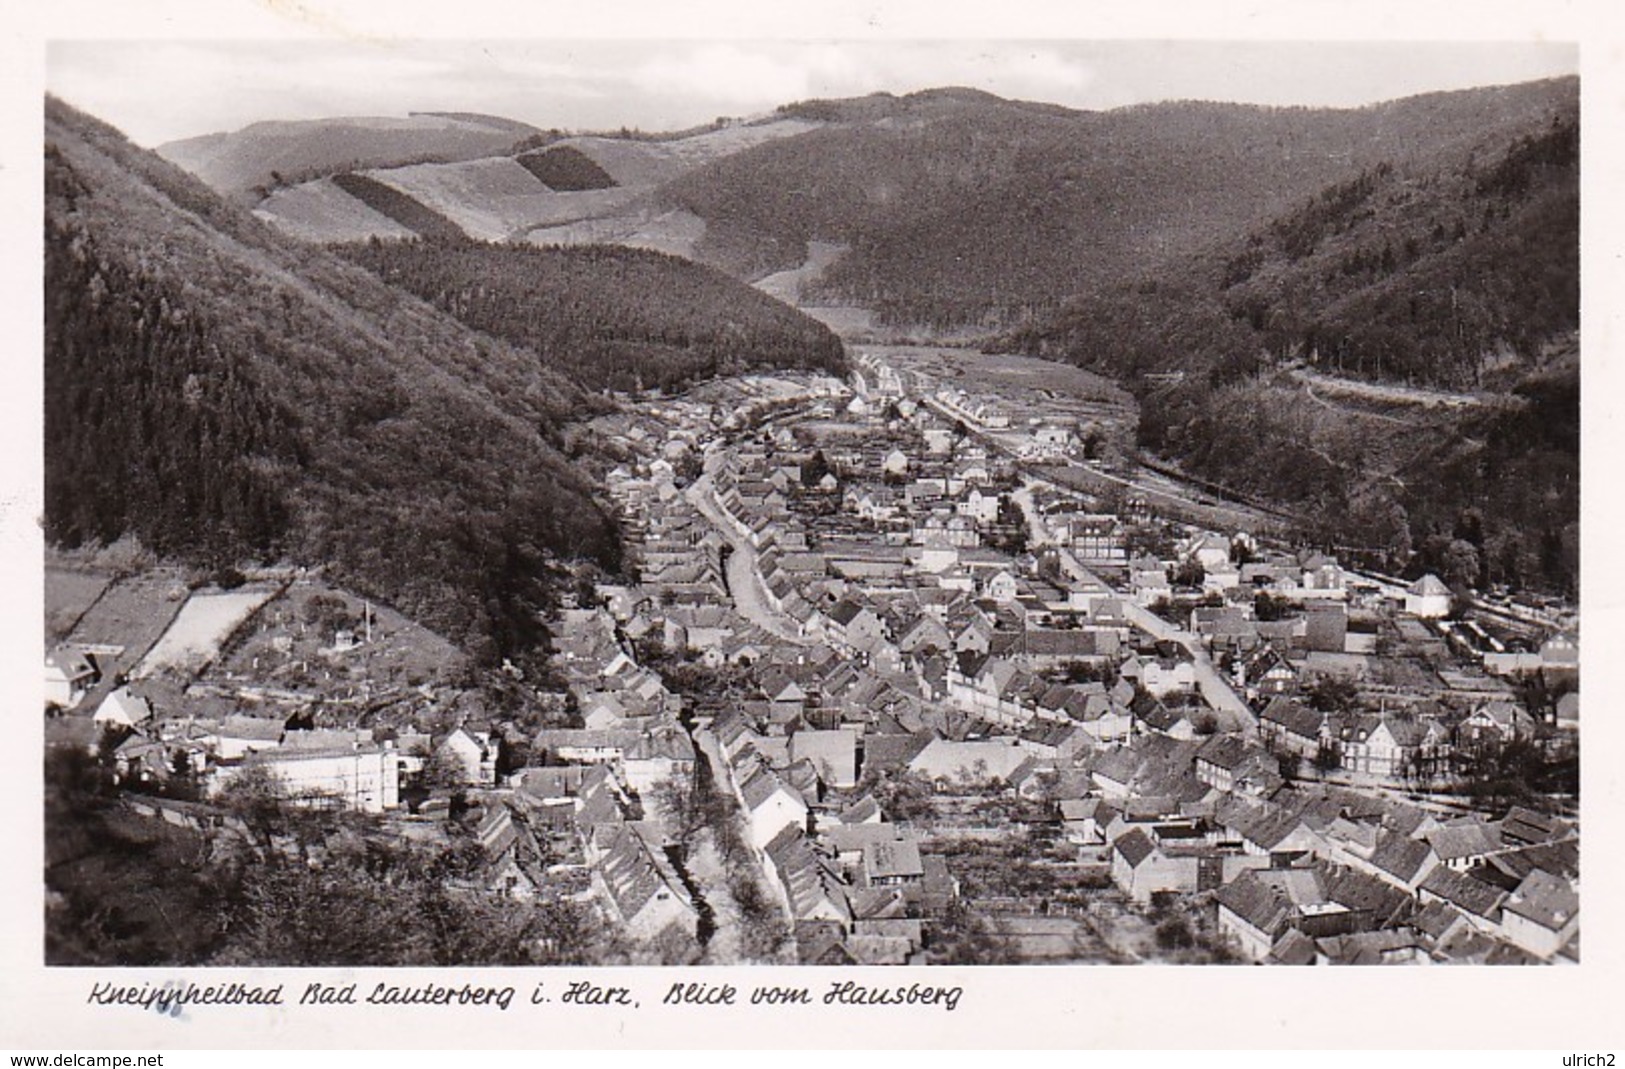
(1175, 934)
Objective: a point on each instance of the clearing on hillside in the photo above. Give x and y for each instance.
(321, 211)
(204, 622)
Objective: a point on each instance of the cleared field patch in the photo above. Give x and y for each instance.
(495, 199)
(1019, 379)
(648, 163)
(204, 622)
(674, 233)
(787, 286)
(321, 211)
(133, 613)
(68, 594)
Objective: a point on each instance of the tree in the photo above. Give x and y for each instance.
(1333, 694)
(961, 937)
(1269, 607)
(1461, 564)
(814, 468)
(1189, 573)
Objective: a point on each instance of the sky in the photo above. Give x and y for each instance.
(162, 90)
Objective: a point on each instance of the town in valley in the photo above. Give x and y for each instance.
(891, 530)
(905, 672)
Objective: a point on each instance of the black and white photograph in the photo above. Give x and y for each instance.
(844, 506)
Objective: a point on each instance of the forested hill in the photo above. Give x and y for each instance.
(608, 317)
(227, 395)
(961, 208)
(1447, 271)
(1436, 275)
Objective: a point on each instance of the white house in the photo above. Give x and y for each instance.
(123, 708)
(365, 778)
(474, 753)
(68, 675)
(1428, 598)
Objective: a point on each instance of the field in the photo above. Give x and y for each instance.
(204, 622)
(132, 613)
(1026, 383)
(496, 199)
(674, 233)
(648, 163)
(68, 593)
(321, 211)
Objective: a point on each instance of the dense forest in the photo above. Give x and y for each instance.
(608, 317)
(962, 209)
(566, 169)
(226, 395)
(403, 208)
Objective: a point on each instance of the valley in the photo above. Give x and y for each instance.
(914, 530)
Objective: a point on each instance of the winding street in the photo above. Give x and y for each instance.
(744, 580)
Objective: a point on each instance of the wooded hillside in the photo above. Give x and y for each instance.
(607, 316)
(226, 395)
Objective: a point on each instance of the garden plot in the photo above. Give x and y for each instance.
(204, 622)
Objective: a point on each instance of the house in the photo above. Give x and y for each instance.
(1150, 586)
(856, 624)
(1326, 627)
(983, 508)
(1460, 846)
(1321, 901)
(1054, 436)
(1428, 598)
(808, 881)
(892, 863)
(1542, 915)
(1560, 657)
(1210, 551)
(69, 675)
(357, 775)
(238, 736)
(1496, 721)
(1165, 674)
(944, 760)
(638, 885)
(1001, 587)
(123, 709)
(1568, 712)
(895, 463)
(584, 746)
(1322, 578)
(1390, 745)
(788, 697)
(834, 754)
(1400, 860)
(1259, 908)
(770, 805)
(925, 632)
(662, 753)
(1140, 869)
(1289, 725)
(473, 753)
(1476, 900)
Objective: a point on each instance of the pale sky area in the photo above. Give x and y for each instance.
(157, 91)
